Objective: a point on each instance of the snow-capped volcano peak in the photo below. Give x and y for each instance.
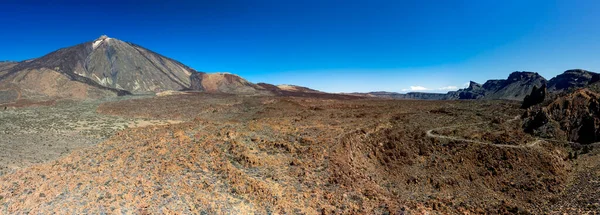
(99, 41)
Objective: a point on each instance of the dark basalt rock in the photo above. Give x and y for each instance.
(515, 87)
(576, 115)
(571, 80)
(537, 96)
(474, 91)
(196, 81)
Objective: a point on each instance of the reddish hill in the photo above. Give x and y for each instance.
(224, 83)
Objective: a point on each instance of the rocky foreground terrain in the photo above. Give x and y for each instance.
(109, 127)
(239, 154)
(41, 133)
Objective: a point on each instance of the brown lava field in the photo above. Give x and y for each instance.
(303, 155)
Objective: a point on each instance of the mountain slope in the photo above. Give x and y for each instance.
(571, 80)
(99, 68)
(223, 83)
(516, 87)
(474, 91)
(117, 64)
(574, 116)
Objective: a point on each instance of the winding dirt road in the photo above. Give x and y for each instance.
(431, 134)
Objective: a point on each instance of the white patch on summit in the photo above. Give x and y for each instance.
(99, 41)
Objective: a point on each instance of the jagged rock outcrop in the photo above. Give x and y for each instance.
(224, 83)
(570, 80)
(537, 96)
(515, 87)
(575, 116)
(474, 91)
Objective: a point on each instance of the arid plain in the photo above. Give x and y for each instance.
(203, 153)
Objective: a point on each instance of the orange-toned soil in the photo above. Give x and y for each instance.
(288, 155)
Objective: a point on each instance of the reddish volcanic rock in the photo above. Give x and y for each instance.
(576, 114)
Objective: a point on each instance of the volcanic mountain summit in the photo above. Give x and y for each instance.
(107, 64)
(105, 67)
(121, 65)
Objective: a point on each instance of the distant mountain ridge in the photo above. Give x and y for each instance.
(515, 87)
(110, 67)
(571, 79)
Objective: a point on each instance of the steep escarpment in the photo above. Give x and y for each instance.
(570, 80)
(515, 87)
(575, 116)
(537, 96)
(474, 91)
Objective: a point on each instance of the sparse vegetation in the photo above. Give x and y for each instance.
(253, 154)
(35, 135)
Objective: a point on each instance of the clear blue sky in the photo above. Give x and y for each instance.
(334, 46)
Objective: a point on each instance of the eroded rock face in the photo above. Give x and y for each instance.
(537, 96)
(474, 91)
(571, 80)
(515, 87)
(576, 116)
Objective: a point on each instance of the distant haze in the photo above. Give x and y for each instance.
(333, 46)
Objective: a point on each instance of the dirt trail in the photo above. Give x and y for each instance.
(431, 134)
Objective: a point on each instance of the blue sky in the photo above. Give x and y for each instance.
(334, 46)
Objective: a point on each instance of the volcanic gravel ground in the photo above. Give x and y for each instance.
(287, 155)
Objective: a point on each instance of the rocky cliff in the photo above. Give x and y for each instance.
(575, 116)
(537, 96)
(570, 80)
